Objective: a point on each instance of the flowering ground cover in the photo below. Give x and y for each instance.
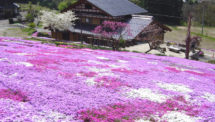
(41, 82)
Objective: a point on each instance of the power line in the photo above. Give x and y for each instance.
(165, 15)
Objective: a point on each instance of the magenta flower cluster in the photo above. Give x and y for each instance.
(42, 82)
(139, 108)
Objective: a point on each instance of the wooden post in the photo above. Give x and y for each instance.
(91, 38)
(188, 39)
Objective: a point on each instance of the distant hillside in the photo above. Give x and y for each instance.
(53, 4)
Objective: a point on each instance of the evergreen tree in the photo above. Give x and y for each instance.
(166, 11)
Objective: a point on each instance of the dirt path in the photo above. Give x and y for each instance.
(4, 25)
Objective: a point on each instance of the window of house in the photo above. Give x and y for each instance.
(87, 20)
(88, 6)
(1, 10)
(101, 21)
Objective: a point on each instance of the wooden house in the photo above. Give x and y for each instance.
(8, 9)
(92, 13)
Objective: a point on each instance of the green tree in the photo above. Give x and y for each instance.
(198, 10)
(66, 3)
(166, 11)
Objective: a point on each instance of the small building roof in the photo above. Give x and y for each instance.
(136, 25)
(118, 7)
(16, 5)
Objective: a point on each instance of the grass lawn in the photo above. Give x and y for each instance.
(179, 33)
(13, 32)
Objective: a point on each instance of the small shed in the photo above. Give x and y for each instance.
(8, 9)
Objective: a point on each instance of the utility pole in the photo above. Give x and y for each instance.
(203, 18)
(188, 39)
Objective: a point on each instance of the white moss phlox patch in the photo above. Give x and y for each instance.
(102, 58)
(193, 78)
(52, 116)
(103, 72)
(10, 76)
(175, 87)
(91, 81)
(146, 94)
(122, 61)
(183, 70)
(174, 116)
(22, 54)
(153, 63)
(142, 120)
(25, 64)
(3, 59)
(98, 70)
(94, 62)
(117, 66)
(210, 97)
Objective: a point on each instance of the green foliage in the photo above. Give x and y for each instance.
(166, 11)
(160, 54)
(57, 43)
(122, 42)
(136, 51)
(29, 17)
(30, 31)
(66, 3)
(63, 5)
(211, 61)
(43, 34)
(203, 36)
(31, 25)
(197, 12)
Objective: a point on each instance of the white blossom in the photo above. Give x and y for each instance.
(58, 21)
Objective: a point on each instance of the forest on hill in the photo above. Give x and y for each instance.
(166, 11)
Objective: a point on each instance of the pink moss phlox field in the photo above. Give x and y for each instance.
(139, 108)
(41, 82)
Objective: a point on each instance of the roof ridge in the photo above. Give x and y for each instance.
(118, 7)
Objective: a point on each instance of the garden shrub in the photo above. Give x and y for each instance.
(43, 34)
(29, 17)
(30, 31)
(31, 25)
